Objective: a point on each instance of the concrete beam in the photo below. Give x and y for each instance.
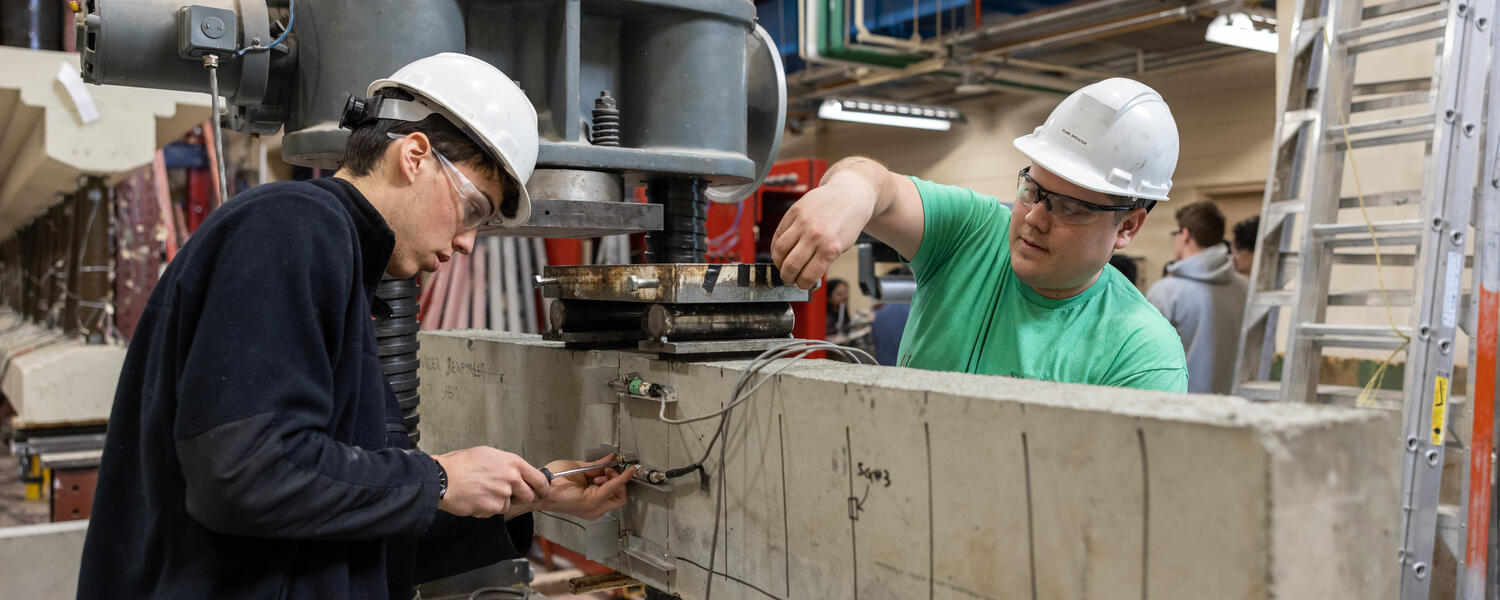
(40, 562)
(52, 380)
(849, 481)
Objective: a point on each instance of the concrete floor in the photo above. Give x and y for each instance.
(14, 509)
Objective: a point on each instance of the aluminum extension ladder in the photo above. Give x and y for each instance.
(1302, 239)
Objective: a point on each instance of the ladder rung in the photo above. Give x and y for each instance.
(1384, 199)
(1292, 260)
(1391, 8)
(1370, 298)
(1284, 207)
(1400, 138)
(1294, 118)
(1376, 337)
(1281, 208)
(1260, 301)
(1434, 13)
(1449, 523)
(1264, 300)
(1419, 84)
(1383, 125)
(1270, 391)
(1364, 242)
(1332, 229)
(1368, 331)
(1403, 99)
(1262, 391)
(1400, 40)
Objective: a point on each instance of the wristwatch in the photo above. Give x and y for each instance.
(442, 479)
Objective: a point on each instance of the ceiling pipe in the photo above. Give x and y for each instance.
(1031, 23)
(806, 39)
(863, 34)
(1037, 65)
(1109, 29)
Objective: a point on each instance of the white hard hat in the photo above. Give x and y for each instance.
(483, 102)
(1113, 137)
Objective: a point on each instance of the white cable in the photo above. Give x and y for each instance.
(800, 348)
(211, 62)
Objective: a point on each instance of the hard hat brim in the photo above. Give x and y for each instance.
(1072, 170)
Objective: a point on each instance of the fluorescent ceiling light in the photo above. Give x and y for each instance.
(879, 112)
(1243, 30)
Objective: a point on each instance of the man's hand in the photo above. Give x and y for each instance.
(573, 494)
(822, 225)
(857, 194)
(484, 482)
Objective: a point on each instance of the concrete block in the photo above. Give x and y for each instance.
(40, 562)
(855, 481)
(67, 382)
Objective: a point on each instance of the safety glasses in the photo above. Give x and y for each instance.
(1066, 209)
(475, 207)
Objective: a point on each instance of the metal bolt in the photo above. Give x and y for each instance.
(635, 283)
(1468, 130)
(213, 27)
(1432, 457)
(1420, 569)
(539, 281)
(1463, 7)
(1437, 223)
(1448, 115)
(1444, 346)
(1424, 331)
(1458, 237)
(1411, 443)
(1482, 23)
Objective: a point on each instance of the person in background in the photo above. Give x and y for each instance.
(888, 325)
(1244, 244)
(837, 307)
(846, 326)
(1203, 298)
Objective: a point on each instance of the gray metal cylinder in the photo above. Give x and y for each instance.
(343, 45)
(590, 315)
(683, 83)
(134, 43)
(35, 24)
(719, 321)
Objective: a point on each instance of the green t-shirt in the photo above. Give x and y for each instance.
(972, 314)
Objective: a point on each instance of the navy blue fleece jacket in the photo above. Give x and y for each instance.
(255, 449)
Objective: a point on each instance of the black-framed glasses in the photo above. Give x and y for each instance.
(1066, 209)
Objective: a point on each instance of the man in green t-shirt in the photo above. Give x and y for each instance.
(1024, 292)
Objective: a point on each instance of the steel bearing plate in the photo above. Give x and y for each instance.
(681, 283)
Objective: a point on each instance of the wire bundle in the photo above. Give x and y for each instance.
(745, 388)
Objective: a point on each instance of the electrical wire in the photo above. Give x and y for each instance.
(1366, 396)
(211, 62)
(743, 391)
(290, 21)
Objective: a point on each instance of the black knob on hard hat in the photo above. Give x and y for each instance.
(358, 111)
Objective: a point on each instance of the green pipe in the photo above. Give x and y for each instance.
(830, 41)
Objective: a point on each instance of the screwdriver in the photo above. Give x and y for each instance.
(616, 465)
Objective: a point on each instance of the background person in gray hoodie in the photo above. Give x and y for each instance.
(1203, 298)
